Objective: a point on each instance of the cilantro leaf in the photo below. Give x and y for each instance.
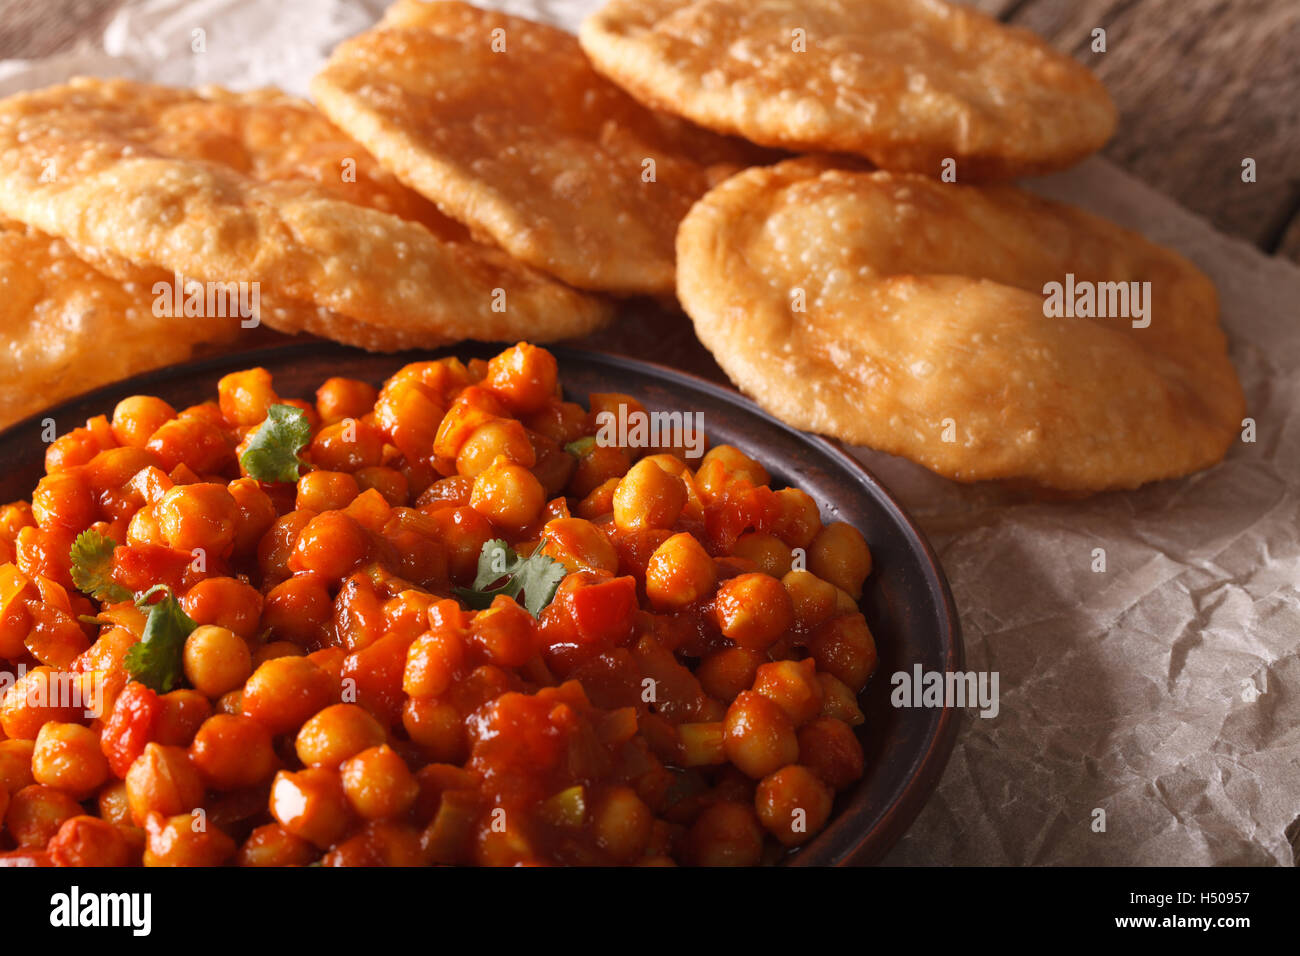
(272, 455)
(156, 661)
(92, 567)
(502, 571)
(581, 446)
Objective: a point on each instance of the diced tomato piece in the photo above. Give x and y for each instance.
(141, 566)
(129, 727)
(603, 613)
(377, 670)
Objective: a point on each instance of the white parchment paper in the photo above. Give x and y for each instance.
(1164, 690)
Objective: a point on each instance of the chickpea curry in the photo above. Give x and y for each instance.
(434, 623)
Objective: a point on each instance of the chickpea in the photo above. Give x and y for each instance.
(256, 513)
(283, 693)
(216, 660)
(273, 845)
(16, 764)
(198, 517)
(269, 652)
(438, 727)
(275, 549)
(378, 784)
(36, 812)
(75, 448)
(622, 823)
(737, 464)
(753, 610)
(599, 464)
(839, 700)
(245, 396)
(472, 408)
(648, 497)
(839, 555)
(599, 502)
(138, 417)
(724, 673)
(844, 647)
(389, 482)
(760, 737)
(337, 733)
(505, 633)
(579, 545)
(503, 437)
(432, 662)
(409, 417)
(326, 491)
(201, 446)
(67, 756)
(232, 751)
(726, 834)
(767, 551)
(793, 686)
(176, 841)
(227, 603)
(793, 805)
(524, 377)
(812, 598)
(680, 572)
(162, 780)
(298, 610)
(26, 707)
(88, 841)
(799, 520)
(347, 445)
(114, 467)
(311, 804)
(829, 748)
(64, 499)
(340, 398)
(114, 805)
(508, 495)
(179, 716)
(332, 544)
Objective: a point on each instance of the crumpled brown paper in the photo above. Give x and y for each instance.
(1162, 690)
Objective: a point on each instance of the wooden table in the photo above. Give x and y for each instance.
(1201, 85)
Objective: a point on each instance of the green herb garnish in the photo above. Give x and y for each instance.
(581, 447)
(92, 567)
(502, 571)
(272, 455)
(156, 661)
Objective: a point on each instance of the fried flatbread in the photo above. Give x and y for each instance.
(898, 312)
(66, 327)
(504, 124)
(260, 188)
(906, 83)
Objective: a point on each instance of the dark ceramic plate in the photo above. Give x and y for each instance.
(906, 602)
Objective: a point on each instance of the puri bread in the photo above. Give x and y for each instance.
(504, 124)
(898, 312)
(906, 83)
(259, 187)
(66, 327)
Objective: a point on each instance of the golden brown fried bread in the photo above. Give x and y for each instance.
(505, 125)
(259, 187)
(66, 327)
(907, 83)
(895, 311)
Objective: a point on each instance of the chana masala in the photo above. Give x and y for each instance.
(440, 622)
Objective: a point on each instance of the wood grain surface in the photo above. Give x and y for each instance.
(1201, 85)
